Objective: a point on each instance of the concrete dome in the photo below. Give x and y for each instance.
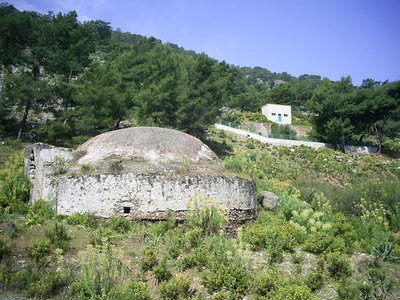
(146, 144)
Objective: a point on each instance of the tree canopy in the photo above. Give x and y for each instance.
(63, 80)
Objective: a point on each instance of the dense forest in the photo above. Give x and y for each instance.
(63, 81)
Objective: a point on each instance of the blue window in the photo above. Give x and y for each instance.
(285, 115)
(279, 118)
(274, 114)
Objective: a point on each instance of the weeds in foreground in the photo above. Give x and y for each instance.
(206, 214)
(58, 236)
(40, 251)
(176, 288)
(375, 286)
(133, 290)
(39, 212)
(102, 268)
(14, 186)
(4, 249)
(175, 253)
(85, 219)
(149, 260)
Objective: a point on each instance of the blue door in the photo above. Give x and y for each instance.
(279, 118)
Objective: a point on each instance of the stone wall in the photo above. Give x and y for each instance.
(290, 143)
(41, 162)
(136, 193)
(148, 196)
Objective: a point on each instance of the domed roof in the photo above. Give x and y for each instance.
(148, 144)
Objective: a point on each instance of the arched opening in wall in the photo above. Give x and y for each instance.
(32, 166)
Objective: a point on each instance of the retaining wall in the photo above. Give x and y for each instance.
(289, 143)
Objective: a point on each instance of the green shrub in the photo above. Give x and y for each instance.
(315, 280)
(86, 219)
(134, 290)
(234, 164)
(292, 292)
(342, 227)
(290, 204)
(198, 257)
(14, 186)
(321, 242)
(282, 237)
(4, 249)
(220, 251)
(221, 134)
(250, 145)
(394, 219)
(221, 295)
(368, 234)
(232, 277)
(149, 260)
(42, 283)
(119, 224)
(101, 234)
(13, 230)
(49, 284)
(376, 286)
(396, 250)
(176, 288)
(58, 236)
(282, 129)
(297, 258)
(161, 272)
(39, 212)
(349, 290)
(337, 265)
(32, 220)
(101, 267)
(310, 187)
(206, 214)
(176, 243)
(194, 238)
(5, 273)
(262, 284)
(163, 227)
(40, 251)
(256, 236)
(228, 147)
(20, 280)
(43, 209)
(254, 116)
(372, 198)
(379, 286)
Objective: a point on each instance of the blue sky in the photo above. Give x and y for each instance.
(331, 38)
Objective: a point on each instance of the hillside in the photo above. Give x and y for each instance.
(335, 235)
(64, 81)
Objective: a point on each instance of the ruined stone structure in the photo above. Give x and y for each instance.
(139, 173)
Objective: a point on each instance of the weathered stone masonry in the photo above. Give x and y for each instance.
(144, 186)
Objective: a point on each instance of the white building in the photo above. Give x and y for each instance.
(281, 114)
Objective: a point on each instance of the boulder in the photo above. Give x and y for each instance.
(269, 200)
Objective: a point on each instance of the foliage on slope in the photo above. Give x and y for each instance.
(63, 81)
(310, 248)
